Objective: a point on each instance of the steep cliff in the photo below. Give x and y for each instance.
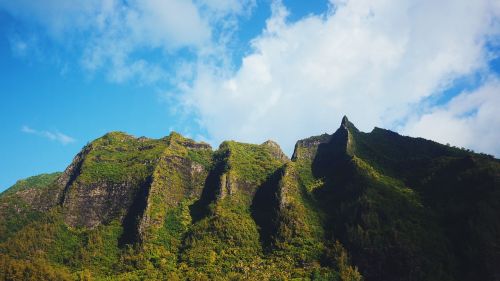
(346, 205)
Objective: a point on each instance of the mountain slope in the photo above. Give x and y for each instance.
(347, 206)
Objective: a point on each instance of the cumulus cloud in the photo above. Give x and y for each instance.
(53, 136)
(469, 120)
(375, 61)
(378, 61)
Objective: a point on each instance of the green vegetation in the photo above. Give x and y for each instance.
(249, 162)
(35, 182)
(380, 197)
(348, 207)
(299, 233)
(118, 157)
(16, 203)
(48, 247)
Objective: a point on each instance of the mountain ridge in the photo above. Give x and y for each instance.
(345, 206)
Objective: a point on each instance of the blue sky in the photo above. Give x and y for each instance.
(246, 70)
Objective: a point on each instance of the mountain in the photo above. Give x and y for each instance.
(346, 206)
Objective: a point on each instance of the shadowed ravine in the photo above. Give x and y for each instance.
(347, 206)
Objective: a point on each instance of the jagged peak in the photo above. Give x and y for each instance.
(346, 124)
(175, 137)
(306, 148)
(343, 138)
(143, 139)
(314, 140)
(270, 143)
(275, 149)
(344, 120)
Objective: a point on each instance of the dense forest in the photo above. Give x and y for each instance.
(347, 206)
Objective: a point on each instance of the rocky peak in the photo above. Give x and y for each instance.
(275, 150)
(345, 121)
(72, 171)
(177, 138)
(246, 166)
(174, 135)
(347, 125)
(343, 139)
(306, 148)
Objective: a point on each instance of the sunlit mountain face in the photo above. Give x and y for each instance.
(347, 206)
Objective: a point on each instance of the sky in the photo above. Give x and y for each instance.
(246, 70)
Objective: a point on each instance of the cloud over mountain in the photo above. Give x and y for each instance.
(383, 63)
(377, 61)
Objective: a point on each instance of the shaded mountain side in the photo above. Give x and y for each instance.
(347, 206)
(408, 208)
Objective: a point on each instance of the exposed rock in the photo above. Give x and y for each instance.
(391, 203)
(294, 220)
(228, 185)
(30, 194)
(98, 203)
(73, 170)
(176, 178)
(306, 148)
(276, 150)
(41, 199)
(90, 196)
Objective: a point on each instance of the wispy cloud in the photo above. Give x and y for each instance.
(53, 136)
(115, 31)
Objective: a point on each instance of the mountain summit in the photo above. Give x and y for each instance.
(345, 122)
(346, 206)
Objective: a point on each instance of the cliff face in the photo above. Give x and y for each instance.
(107, 178)
(346, 205)
(177, 179)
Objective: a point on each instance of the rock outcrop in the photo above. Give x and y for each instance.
(346, 204)
(178, 177)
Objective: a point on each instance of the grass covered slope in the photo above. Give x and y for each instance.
(347, 206)
(25, 201)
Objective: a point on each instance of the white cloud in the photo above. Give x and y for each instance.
(167, 24)
(112, 32)
(227, 7)
(54, 136)
(143, 25)
(377, 61)
(372, 60)
(469, 120)
(170, 23)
